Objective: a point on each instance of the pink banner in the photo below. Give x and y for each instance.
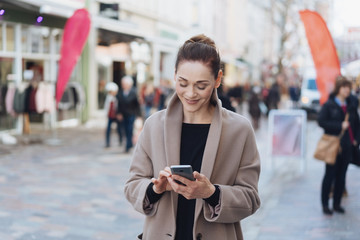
(323, 52)
(76, 31)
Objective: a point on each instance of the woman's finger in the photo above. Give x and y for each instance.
(164, 173)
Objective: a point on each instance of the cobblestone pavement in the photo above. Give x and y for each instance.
(74, 191)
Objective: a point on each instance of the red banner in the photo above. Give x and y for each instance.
(323, 52)
(76, 31)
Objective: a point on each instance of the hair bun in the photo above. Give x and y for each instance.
(201, 38)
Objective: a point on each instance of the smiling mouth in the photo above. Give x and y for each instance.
(191, 101)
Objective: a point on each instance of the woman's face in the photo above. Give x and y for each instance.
(344, 91)
(195, 83)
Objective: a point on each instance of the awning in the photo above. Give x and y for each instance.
(25, 12)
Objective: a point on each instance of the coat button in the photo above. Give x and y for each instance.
(198, 236)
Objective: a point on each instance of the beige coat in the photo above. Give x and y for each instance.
(230, 159)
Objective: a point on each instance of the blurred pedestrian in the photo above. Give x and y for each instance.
(195, 130)
(149, 99)
(274, 96)
(294, 92)
(236, 97)
(128, 108)
(110, 107)
(254, 106)
(166, 91)
(225, 100)
(332, 119)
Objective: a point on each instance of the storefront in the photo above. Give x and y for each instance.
(119, 53)
(30, 45)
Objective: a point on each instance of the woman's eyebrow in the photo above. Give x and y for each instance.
(198, 81)
(181, 78)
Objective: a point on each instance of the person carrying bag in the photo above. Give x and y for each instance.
(340, 120)
(328, 146)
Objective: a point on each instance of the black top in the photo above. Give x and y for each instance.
(193, 141)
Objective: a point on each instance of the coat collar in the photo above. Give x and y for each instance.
(336, 105)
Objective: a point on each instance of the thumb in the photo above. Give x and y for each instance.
(198, 176)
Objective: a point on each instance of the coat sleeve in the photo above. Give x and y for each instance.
(241, 199)
(141, 172)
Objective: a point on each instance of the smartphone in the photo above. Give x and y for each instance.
(184, 171)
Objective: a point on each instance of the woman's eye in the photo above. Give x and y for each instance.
(201, 87)
(183, 85)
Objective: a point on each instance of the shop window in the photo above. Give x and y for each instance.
(7, 121)
(103, 77)
(73, 97)
(57, 34)
(25, 39)
(46, 40)
(10, 38)
(36, 40)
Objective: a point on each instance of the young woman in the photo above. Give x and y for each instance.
(219, 145)
(332, 119)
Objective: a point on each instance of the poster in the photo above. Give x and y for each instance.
(287, 130)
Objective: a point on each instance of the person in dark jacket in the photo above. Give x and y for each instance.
(332, 119)
(225, 100)
(254, 107)
(273, 99)
(128, 108)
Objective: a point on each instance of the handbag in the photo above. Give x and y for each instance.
(356, 156)
(328, 147)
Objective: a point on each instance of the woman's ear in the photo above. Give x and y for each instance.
(218, 80)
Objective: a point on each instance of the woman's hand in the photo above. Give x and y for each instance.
(161, 183)
(345, 125)
(200, 188)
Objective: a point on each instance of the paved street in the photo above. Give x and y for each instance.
(291, 206)
(75, 191)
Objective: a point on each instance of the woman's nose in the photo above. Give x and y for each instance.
(191, 92)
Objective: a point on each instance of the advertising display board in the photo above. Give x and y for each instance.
(287, 133)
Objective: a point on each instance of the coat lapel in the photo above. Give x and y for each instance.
(212, 142)
(173, 125)
(210, 152)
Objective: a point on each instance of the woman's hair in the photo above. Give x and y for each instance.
(340, 82)
(200, 48)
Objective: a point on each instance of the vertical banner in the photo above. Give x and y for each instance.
(76, 31)
(323, 52)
